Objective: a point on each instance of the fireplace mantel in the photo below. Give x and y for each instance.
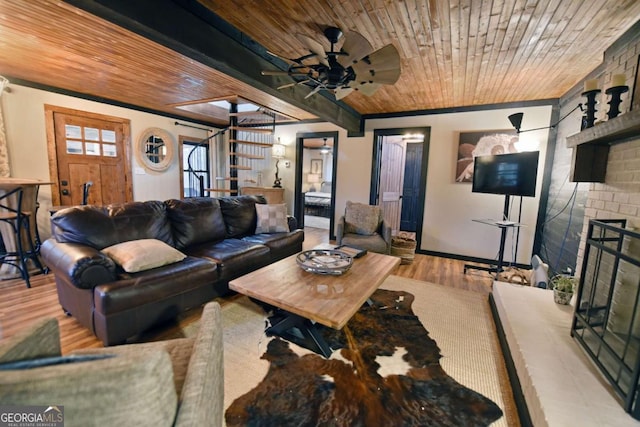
(591, 146)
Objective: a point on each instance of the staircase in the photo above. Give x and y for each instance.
(246, 156)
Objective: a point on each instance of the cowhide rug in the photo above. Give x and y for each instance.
(386, 372)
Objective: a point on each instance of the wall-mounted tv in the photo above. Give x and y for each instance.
(510, 174)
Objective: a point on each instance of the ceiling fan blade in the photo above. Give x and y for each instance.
(278, 56)
(341, 92)
(368, 89)
(293, 84)
(356, 47)
(385, 61)
(274, 73)
(386, 77)
(315, 48)
(313, 92)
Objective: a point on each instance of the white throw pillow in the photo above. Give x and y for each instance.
(271, 218)
(143, 254)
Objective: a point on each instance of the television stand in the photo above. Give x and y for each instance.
(504, 225)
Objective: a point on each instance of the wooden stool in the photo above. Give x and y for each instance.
(16, 254)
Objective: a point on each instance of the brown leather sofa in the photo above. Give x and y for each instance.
(217, 235)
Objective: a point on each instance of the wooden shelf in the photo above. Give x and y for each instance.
(259, 144)
(591, 146)
(271, 194)
(613, 131)
(247, 156)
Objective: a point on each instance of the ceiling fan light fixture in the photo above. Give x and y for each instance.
(340, 70)
(325, 149)
(413, 137)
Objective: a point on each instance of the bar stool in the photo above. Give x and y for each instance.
(19, 223)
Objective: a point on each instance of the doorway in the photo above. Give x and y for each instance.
(88, 148)
(399, 177)
(316, 162)
(194, 158)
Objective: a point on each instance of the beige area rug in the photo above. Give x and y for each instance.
(459, 321)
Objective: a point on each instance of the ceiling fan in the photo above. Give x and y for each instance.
(355, 66)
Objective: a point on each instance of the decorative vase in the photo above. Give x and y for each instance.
(562, 297)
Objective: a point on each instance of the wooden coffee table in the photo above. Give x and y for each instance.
(309, 298)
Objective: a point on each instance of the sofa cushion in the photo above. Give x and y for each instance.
(122, 390)
(179, 350)
(134, 290)
(373, 243)
(279, 242)
(234, 257)
(362, 219)
(239, 214)
(41, 339)
(143, 254)
(195, 220)
(271, 218)
(100, 227)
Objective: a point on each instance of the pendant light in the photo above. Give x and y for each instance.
(325, 148)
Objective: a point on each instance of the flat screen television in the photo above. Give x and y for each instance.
(509, 174)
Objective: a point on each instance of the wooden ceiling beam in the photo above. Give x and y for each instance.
(185, 27)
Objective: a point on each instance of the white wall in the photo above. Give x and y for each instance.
(449, 206)
(23, 110)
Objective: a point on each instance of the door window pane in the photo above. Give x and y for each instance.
(74, 147)
(93, 149)
(72, 131)
(91, 134)
(109, 150)
(108, 136)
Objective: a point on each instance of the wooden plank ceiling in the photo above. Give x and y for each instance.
(454, 53)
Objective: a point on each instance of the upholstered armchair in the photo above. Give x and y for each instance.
(176, 382)
(362, 226)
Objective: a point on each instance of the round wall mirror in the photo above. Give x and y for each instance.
(155, 149)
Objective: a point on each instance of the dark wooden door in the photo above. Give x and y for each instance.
(411, 188)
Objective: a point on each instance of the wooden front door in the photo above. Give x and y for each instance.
(89, 148)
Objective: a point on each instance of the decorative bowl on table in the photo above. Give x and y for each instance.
(324, 261)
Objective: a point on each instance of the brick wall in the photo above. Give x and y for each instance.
(619, 196)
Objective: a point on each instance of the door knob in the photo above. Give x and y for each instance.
(65, 192)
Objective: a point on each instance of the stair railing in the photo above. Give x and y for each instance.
(192, 172)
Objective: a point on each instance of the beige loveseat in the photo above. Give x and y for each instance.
(176, 382)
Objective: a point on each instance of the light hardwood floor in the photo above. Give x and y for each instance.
(20, 306)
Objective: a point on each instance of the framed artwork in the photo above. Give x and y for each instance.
(635, 95)
(316, 167)
(482, 143)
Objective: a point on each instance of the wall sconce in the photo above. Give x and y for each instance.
(277, 152)
(516, 120)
